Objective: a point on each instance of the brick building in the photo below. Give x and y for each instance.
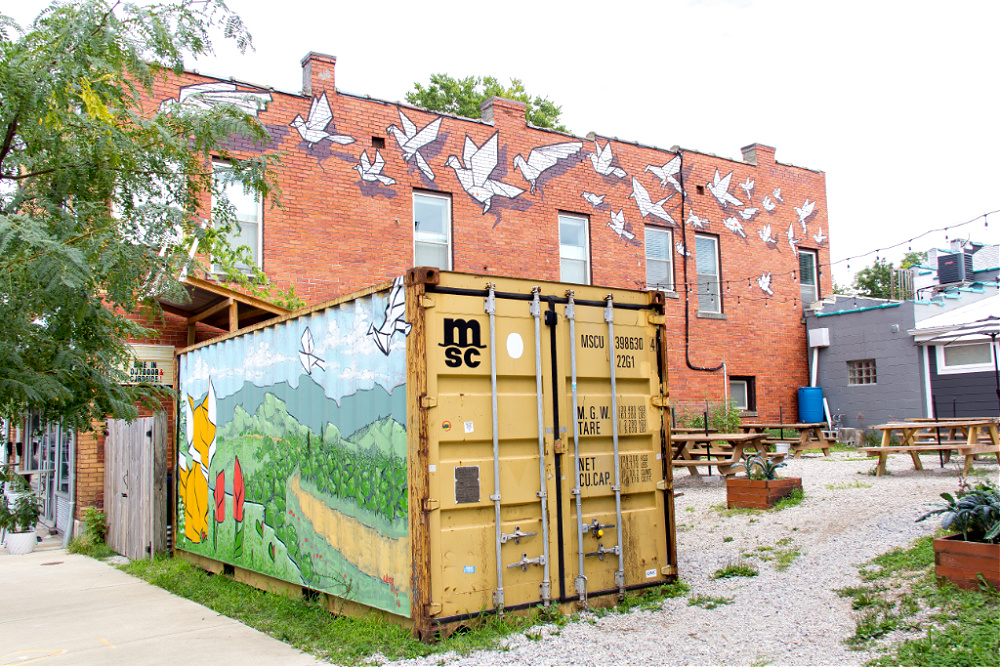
(370, 188)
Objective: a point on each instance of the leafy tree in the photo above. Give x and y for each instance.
(100, 194)
(874, 281)
(912, 259)
(463, 97)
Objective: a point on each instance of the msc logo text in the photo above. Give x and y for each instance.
(462, 342)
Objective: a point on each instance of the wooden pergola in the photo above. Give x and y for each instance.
(219, 307)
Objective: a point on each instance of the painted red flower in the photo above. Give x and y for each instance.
(220, 497)
(239, 491)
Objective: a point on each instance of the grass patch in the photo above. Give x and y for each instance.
(791, 500)
(739, 568)
(647, 598)
(88, 545)
(781, 554)
(709, 601)
(849, 485)
(908, 562)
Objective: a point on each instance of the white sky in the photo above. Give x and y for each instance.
(895, 101)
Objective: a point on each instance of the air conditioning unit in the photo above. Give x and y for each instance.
(955, 268)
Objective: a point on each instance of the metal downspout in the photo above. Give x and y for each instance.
(68, 534)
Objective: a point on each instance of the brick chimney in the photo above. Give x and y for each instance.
(317, 73)
(758, 154)
(503, 110)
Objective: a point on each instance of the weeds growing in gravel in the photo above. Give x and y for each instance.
(840, 486)
(791, 500)
(781, 554)
(739, 568)
(709, 601)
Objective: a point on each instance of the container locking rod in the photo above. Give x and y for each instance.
(490, 307)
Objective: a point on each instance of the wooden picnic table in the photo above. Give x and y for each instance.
(966, 437)
(730, 447)
(810, 436)
(692, 429)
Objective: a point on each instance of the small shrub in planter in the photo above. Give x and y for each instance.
(761, 488)
(18, 520)
(974, 550)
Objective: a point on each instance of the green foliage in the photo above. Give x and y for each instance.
(88, 545)
(738, 568)
(102, 195)
(973, 511)
(875, 280)
(709, 601)
(463, 97)
(759, 468)
(723, 417)
(782, 554)
(95, 523)
(22, 516)
(912, 259)
(791, 500)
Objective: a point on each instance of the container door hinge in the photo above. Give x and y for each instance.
(428, 401)
(431, 504)
(432, 608)
(659, 401)
(668, 570)
(426, 302)
(655, 318)
(664, 485)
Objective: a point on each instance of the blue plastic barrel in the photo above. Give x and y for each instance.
(811, 405)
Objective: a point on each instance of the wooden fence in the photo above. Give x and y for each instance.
(135, 489)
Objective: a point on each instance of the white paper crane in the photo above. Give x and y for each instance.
(777, 195)
(768, 204)
(804, 212)
(544, 157)
(208, 95)
(719, 187)
(618, 225)
(601, 159)
(765, 234)
(648, 206)
(680, 250)
(395, 317)
(819, 238)
(733, 224)
(667, 172)
(315, 128)
(372, 171)
(593, 200)
(696, 222)
(748, 213)
(764, 282)
(474, 175)
(307, 354)
(411, 141)
(748, 188)
(791, 237)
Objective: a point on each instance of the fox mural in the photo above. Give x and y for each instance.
(193, 476)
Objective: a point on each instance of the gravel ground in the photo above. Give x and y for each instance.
(790, 617)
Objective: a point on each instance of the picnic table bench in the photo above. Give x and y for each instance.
(810, 436)
(978, 437)
(729, 447)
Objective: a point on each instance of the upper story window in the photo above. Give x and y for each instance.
(707, 259)
(659, 259)
(247, 210)
(432, 231)
(808, 278)
(574, 250)
(861, 372)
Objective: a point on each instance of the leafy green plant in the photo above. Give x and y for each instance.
(738, 568)
(709, 601)
(765, 468)
(723, 417)
(974, 512)
(95, 523)
(22, 516)
(791, 500)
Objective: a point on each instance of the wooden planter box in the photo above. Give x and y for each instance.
(961, 562)
(759, 494)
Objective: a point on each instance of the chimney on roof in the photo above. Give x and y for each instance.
(756, 154)
(317, 73)
(504, 110)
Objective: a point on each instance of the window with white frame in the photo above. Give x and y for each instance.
(861, 372)
(431, 230)
(574, 250)
(964, 358)
(707, 259)
(808, 279)
(247, 210)
(742, 393)
(659, 259)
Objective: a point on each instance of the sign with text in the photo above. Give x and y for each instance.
(152, 363)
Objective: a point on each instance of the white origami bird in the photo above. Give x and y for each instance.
(719, 187)
(791, 237)
(372, 171)
(820, 237)
(648, 206)
(748, 188)
(768, 204)
(777, 195)
(680, 250)
(314, 130)
(667, 172)
(544, 157)
(601, 159)
(765, 235)
(395, 317)
(765, 283)
(748, 213)
(592, 199)
(208, 95)
(618, 224)
(411, 141)
(696, 222)
(474, 175)
(307, 356)
(804, 213)
(733, 225)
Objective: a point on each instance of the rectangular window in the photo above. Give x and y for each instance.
(808, 280)
(432, 231)
(861, 372)
(965, 358)
(707, 259)
(574, 250)
(659, 259)
(742, 393)
(248, 212)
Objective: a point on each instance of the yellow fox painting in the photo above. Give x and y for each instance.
(193, 481)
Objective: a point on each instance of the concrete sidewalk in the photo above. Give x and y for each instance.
(58, 608)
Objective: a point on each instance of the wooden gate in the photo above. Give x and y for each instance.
(135, 497)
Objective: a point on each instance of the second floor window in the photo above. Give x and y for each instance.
(432, 231)
(808, 281)
(248, 212)
(659, 259)
(707, 259)
(574, 250)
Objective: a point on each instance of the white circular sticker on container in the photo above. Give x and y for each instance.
(515, 346)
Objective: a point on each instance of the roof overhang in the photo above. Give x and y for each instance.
(219, 307)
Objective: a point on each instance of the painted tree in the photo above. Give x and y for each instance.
(101, 194)
(463, 97)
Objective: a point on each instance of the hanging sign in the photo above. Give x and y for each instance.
(153, 364)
